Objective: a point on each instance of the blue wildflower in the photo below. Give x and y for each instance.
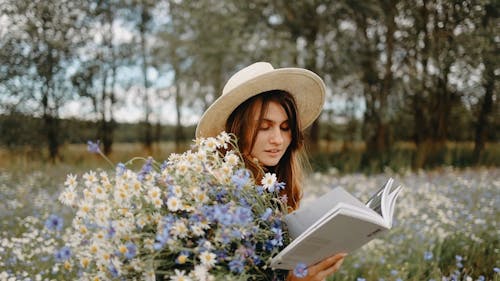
(163, 165)
(278, 237)
(428, 255)
(267, 213)
(260, 189)
(300, 270)
(481, 278)
(111, 231)
(394, 272)
(236, 233)
(222, 255)
(237, 265)
(279, 186)
(131, 250)
(63, 254)
(146, 169)
(161, 238)
(93, 147)
(496, 270)
(120, 169)
(54, 222)
(243, 216)
(256, 260)
(222, 215)
(360, 279)
(240, 178)
(112, 269)
(225, 237)
(202, 245)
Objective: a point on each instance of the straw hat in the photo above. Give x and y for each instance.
(305, 86)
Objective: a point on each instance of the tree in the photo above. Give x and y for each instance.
(41, 44)
(140, 16)
(488, 103)
(96, 76)
(434, 48)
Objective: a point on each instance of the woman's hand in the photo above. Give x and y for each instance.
(321, 270)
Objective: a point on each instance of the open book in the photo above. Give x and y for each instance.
(333, 223)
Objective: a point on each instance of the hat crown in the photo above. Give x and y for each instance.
(247, 74)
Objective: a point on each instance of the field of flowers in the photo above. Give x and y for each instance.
(447, 225)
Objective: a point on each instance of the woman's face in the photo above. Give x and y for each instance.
(273, 136)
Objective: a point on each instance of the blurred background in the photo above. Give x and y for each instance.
(411, 84)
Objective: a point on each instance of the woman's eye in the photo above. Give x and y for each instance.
(264, 126)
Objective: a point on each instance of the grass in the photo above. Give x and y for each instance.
(400, 157)
(446, 227)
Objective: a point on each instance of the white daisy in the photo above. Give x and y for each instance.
(180, 275)
(208, 259)
(197, 229)
(231, 159)
(71, 181)
(177, 190)
(68, 197)
(90, 178)
(179, 229)
(200, 272)
(210, 144)
(224, 137)
(85, 207)
(268, 181)
(174, 204)
(154, 193)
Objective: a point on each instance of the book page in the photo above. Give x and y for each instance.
(343, 232)
(392, 202)
(375, 202)
(301, 219)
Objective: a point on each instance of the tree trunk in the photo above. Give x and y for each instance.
(148, 134)
(488, 102)
(108, 124)
(50, 121)
(484, 113)
(419, 115)
(179, 132)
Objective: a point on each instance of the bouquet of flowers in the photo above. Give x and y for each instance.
(198, 216)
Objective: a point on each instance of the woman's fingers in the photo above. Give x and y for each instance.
(333, 259)
(325, 264)
(321, 270)
(329, 271)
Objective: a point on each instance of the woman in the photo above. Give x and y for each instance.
(268, 109)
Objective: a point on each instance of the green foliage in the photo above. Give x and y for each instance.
(20, 130)
(400, 157)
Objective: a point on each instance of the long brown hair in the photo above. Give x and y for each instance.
(243, 124)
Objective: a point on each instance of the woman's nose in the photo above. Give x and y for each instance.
(276, 136)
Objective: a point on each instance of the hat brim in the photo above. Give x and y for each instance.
(305, 86)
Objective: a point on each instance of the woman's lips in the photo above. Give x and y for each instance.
(273, 152)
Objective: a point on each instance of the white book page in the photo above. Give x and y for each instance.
(316, 210)
(344, 230)
(363, 214)
(392, 203)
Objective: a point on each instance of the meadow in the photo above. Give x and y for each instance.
(446, 227)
